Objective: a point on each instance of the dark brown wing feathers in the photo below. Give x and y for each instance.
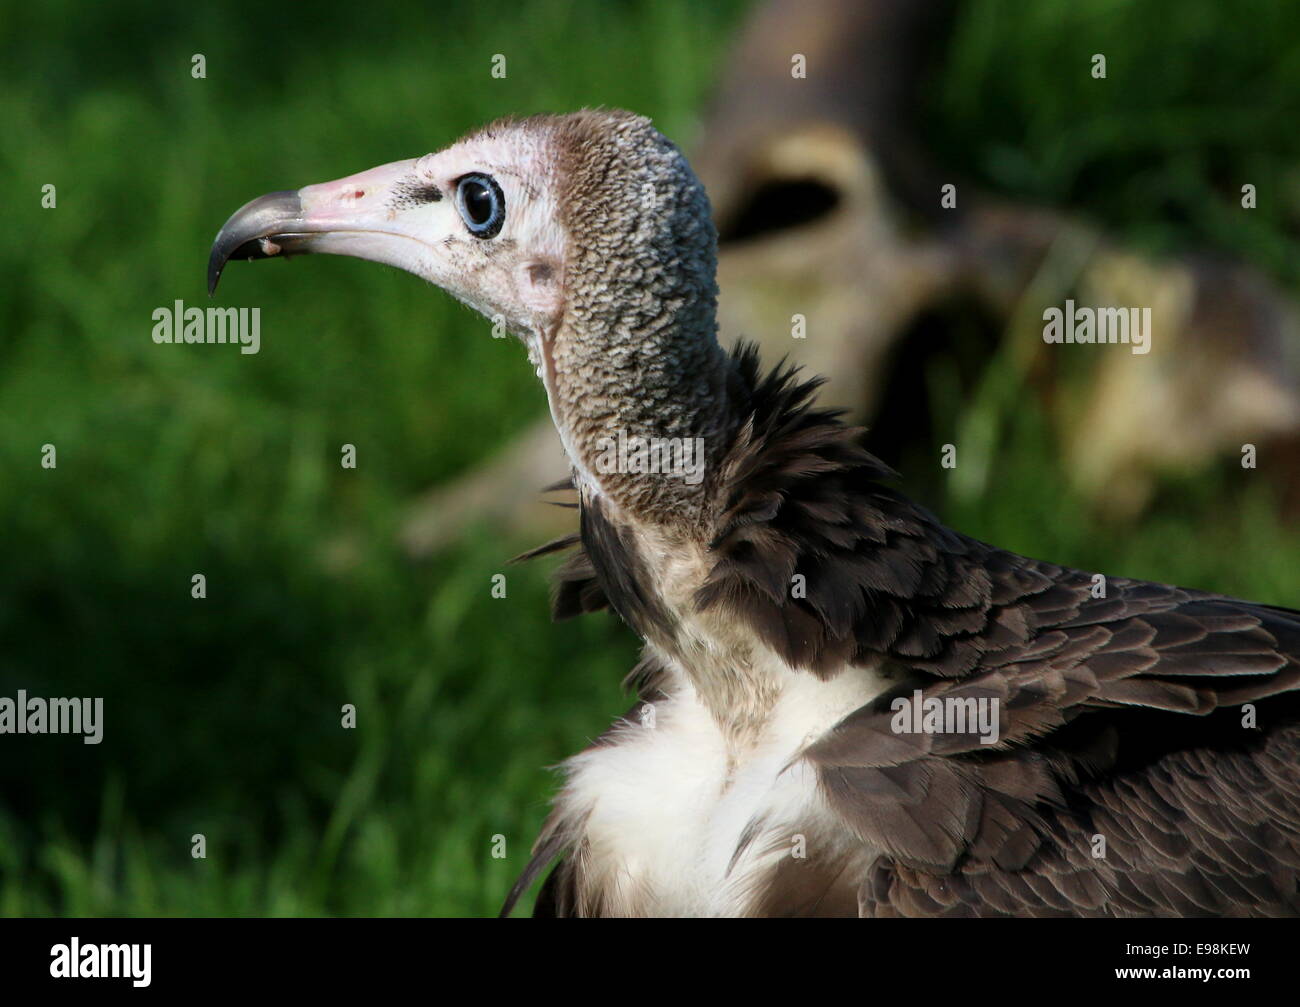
(1121, 719)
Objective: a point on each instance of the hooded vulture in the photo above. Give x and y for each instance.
(844, 707)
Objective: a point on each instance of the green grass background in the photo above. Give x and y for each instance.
(222, 715)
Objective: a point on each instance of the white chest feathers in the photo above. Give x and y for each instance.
(670, 802)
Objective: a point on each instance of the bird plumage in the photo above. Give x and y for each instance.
(1122, 714)
(1144, 760)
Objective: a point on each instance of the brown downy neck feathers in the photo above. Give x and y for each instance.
(636, 354)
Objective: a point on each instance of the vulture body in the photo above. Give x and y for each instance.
(1146, 756)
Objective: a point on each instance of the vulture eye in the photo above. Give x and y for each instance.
(481, 205)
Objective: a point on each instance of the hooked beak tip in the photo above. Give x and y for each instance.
(248, 232)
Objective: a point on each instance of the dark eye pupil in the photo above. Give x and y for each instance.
(478, 202)
(481, 205)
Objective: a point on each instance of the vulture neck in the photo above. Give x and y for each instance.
(639, 395)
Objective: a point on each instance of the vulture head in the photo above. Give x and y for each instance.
(523, 220)
(586, 235)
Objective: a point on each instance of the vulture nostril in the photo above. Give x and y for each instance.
(780, 205)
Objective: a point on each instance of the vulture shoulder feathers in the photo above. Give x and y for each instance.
(1123, 781)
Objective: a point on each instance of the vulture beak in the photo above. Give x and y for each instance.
(369, 216)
